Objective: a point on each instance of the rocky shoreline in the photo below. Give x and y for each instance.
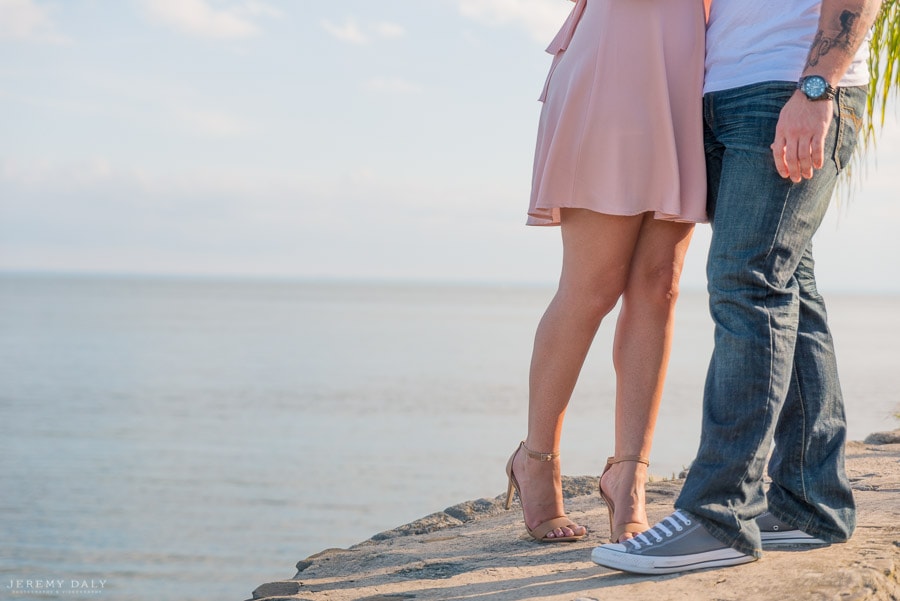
(478, 551)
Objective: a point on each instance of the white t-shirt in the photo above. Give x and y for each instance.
(750, 42)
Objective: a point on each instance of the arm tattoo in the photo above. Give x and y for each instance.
(843, 40)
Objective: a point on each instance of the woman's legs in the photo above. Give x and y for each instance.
(597, 255)
(641, 349)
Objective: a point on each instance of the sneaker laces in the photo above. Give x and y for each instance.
(661, 530)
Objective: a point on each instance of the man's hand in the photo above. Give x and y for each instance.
(799, 146)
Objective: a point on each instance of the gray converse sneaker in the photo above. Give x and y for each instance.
(676, 544)
(776, 533)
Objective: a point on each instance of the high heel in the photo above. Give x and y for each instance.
(617, 530)
(540, 532)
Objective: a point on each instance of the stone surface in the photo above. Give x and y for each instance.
(477, 551)
(892, 437)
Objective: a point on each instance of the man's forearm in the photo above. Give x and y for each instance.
(843, 25)
(799, 145)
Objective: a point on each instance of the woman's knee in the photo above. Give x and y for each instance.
(655, 285)
(593, 300)
(657, 264)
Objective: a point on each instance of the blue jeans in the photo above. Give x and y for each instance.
(772, 376)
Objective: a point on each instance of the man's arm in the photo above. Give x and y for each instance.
(799, 142)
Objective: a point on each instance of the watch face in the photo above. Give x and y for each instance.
(814, 86)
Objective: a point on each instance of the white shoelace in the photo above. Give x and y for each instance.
(660, 529)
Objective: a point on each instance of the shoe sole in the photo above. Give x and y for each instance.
(789, 537)
(648, 564)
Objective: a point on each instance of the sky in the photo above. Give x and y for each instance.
(313, 139)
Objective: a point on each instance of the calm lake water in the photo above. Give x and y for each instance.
(192, 439)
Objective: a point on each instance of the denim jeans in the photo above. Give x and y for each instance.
(772, 376)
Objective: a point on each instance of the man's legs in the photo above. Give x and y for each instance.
(772, 373)
(810, 490)
(761, 292)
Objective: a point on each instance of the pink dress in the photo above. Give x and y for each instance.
(621, 128)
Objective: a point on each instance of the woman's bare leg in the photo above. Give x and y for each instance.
(597, 255)
(641, 350)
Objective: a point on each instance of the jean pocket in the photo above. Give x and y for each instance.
(849, 109)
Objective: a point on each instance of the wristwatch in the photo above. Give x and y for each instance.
(816, 88)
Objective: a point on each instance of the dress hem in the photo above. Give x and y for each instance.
(550, 217)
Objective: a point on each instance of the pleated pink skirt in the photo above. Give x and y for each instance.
(621, 127)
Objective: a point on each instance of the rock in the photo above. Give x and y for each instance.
(284, 588)
(472, 510)
(879, 438)
(576, 486)
(475, 550)
(430, 523)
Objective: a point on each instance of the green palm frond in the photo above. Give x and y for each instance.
(884, 64)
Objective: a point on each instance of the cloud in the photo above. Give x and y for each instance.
(25, 20)
(539, 18)
(352, 32)
(200, 18)
(392, 85)
(388, 30)
(254, 8)
(214, 123)
(349, 32)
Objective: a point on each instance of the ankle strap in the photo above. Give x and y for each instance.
(636, 458)
(539, 456)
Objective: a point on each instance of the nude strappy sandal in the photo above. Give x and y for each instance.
(617, 530)
(540, 532)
